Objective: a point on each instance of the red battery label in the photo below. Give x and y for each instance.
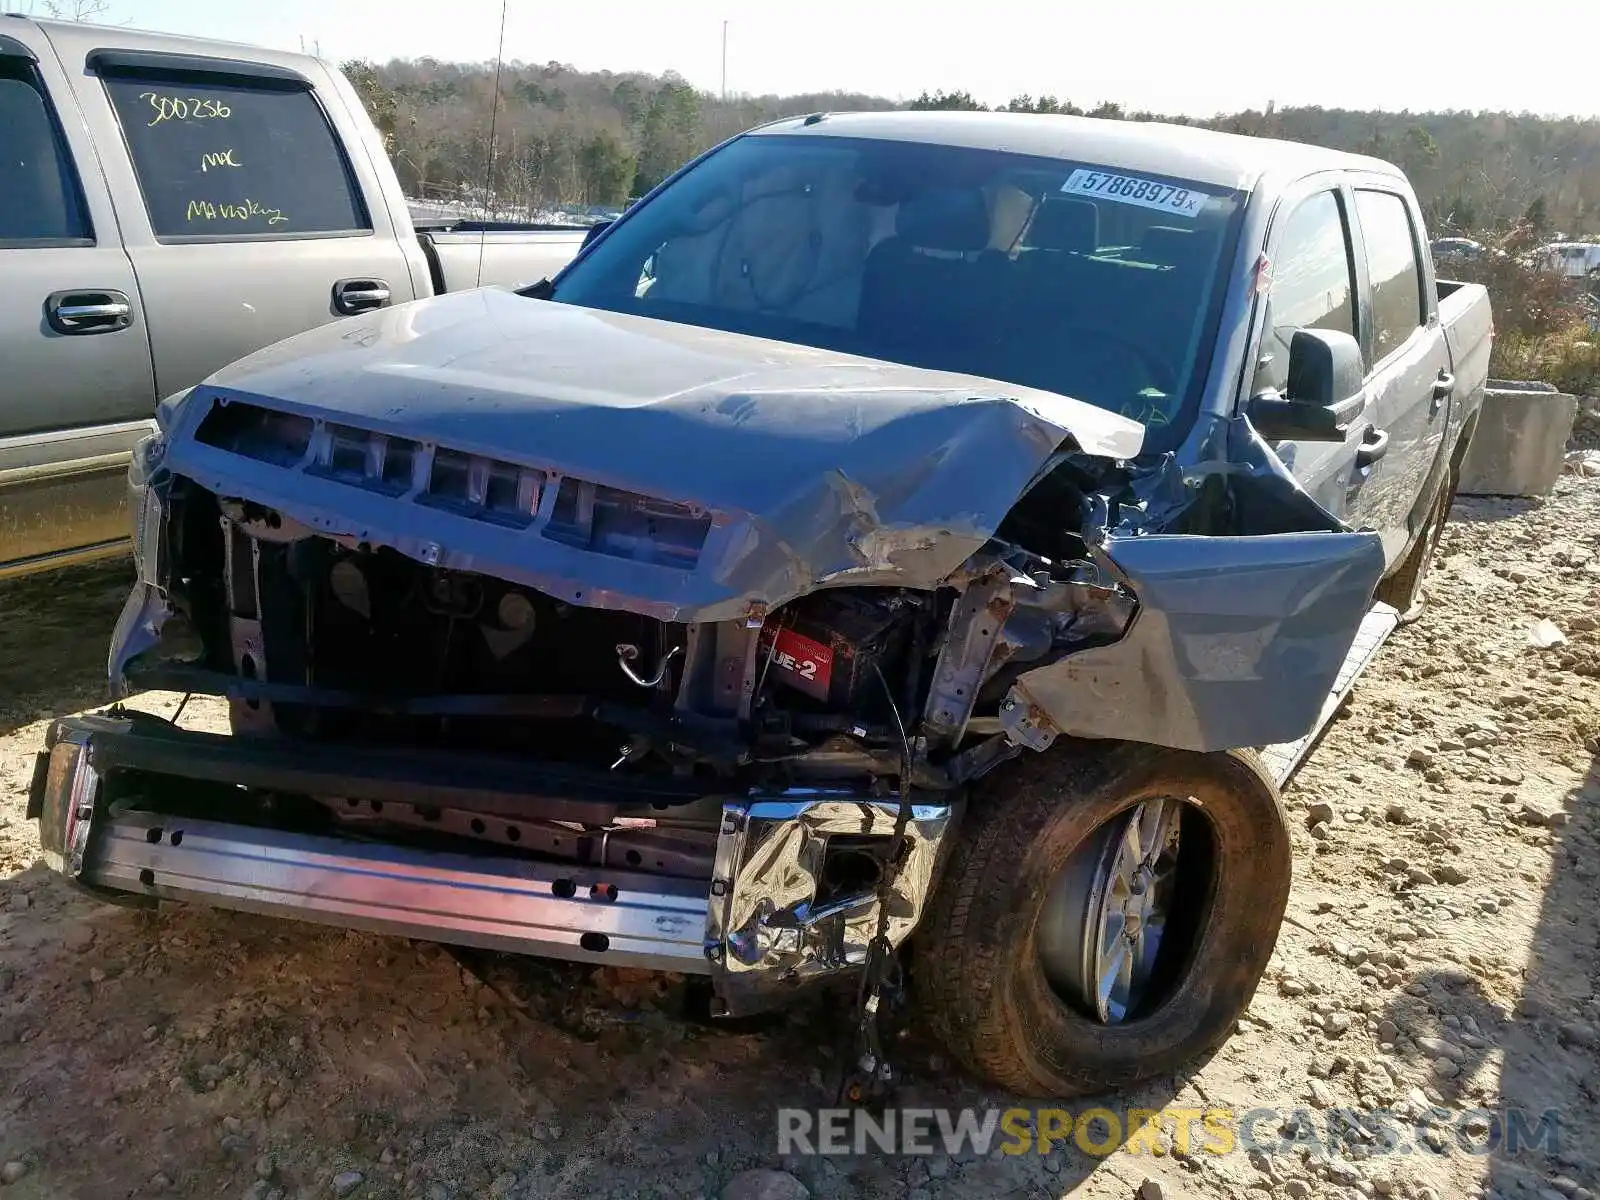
(806, 664)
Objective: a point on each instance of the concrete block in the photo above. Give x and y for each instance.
(1521, 440)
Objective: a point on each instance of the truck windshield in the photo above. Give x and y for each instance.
(1075, 278)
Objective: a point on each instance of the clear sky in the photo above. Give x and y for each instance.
(1183, 56)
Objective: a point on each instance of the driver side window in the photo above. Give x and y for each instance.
(1313, 283)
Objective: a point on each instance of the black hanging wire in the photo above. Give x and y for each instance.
(882, 970)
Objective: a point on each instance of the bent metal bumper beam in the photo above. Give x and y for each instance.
(492, 902)
(756, 927)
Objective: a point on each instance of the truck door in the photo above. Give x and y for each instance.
(249, 217)
(78, 389)
(1313, 286)
(1409, 381)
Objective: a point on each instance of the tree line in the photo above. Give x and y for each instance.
(563, 137)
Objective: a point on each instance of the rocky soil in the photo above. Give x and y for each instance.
(1440, 959)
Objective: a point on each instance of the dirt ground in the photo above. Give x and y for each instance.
(1440, 957)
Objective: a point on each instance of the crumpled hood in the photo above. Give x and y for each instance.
(814, 466)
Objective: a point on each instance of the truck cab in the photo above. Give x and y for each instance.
(1346, 253)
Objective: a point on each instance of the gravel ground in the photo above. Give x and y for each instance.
(1441, 956)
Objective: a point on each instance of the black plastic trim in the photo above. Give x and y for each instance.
(471, 783)
(11, 48)
(493, 785)
(41, 775)
(136, 62)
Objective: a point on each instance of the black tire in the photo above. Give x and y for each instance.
(977, 977)
(1403, 590)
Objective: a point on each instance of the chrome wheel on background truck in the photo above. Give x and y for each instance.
(1105, 916)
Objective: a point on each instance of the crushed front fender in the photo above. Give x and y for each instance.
(1236, 642)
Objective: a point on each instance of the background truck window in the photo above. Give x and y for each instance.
(240, 158)
(39, 196)
(1391, 252)
(1313, 285)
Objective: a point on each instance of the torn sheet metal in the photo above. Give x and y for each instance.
(1237, 642)
(767, 931)
(665, 469)
(1236, 487)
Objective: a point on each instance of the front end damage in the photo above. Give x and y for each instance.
(480, 699)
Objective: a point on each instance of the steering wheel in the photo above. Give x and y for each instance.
(1157, 369)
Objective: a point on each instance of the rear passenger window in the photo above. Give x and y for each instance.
(1392, 270)
(225, 157)
(40, 201)
(1313, 286)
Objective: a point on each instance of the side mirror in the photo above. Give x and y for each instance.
(1324, 393)
(595, 231)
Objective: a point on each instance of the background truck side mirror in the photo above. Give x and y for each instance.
(1324, 390)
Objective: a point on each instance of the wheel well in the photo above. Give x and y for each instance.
(1459, 454)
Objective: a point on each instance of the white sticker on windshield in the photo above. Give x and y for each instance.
(1130, 189)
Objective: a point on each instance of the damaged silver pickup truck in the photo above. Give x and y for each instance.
(916, 540)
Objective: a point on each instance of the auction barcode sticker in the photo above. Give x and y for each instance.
(1129, 189)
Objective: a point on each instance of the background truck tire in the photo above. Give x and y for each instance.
(1403, 589)
(977, 975)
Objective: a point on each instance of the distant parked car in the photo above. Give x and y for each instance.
(1458, 249)
(1575, 260)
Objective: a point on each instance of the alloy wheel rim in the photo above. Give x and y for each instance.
(1106, 915)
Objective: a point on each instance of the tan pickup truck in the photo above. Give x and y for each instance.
(169, 205)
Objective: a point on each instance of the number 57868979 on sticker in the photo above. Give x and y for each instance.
(1130, 189)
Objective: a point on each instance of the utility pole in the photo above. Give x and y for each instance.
(724, 60)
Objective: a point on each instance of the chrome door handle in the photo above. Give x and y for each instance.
(1442, 387)
(82, 312)
(352, 296)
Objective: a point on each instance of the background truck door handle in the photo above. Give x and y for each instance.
(352, 296)
(83, 312)
(1374, 445)
(1442, 387)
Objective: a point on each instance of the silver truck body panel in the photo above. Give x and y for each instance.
(192, 306)
(208, 303)
(494, 258)
(1237, 641)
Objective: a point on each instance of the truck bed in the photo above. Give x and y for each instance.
(1468, 321)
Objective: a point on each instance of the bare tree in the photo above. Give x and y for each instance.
(73, 10)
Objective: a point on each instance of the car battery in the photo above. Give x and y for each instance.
(826, 645)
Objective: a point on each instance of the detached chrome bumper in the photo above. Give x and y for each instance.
(756, 927)
(766, 933)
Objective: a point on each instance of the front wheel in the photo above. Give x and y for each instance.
(1105, 916)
